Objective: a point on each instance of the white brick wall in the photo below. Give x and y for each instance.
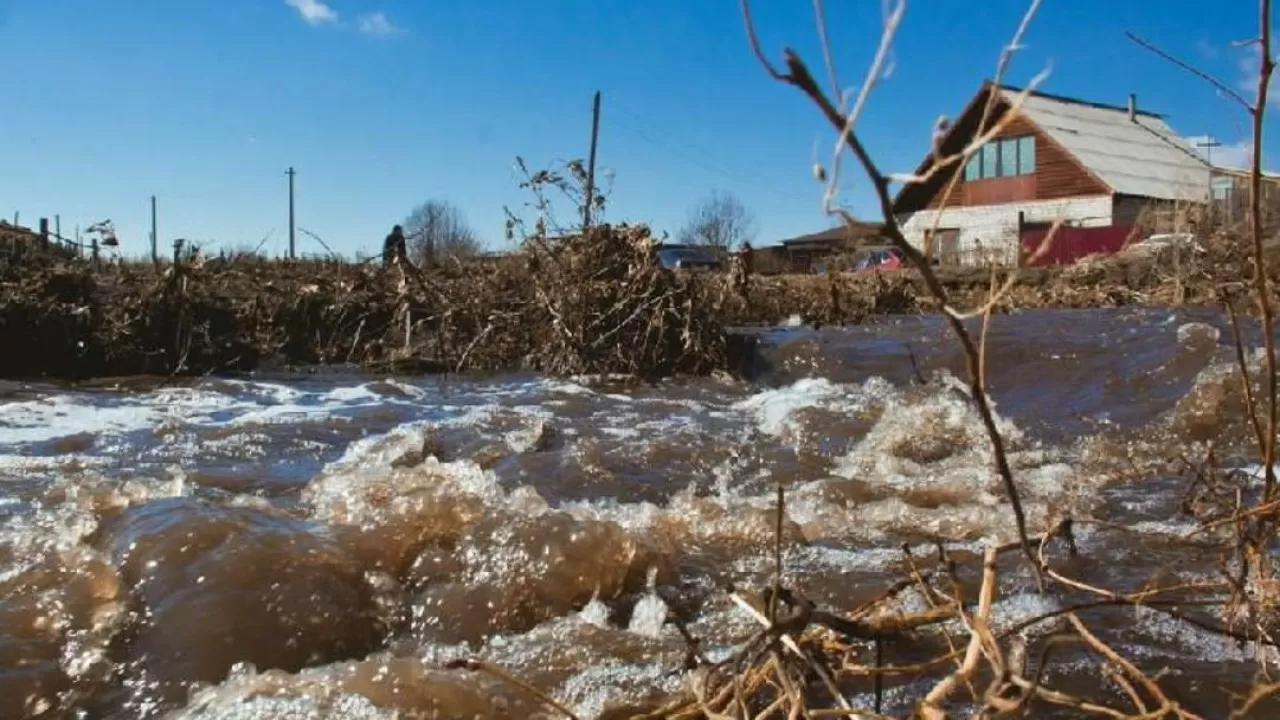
(995, 227)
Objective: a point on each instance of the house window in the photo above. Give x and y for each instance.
(1006, 157)
(990, 160)
(1026, 155)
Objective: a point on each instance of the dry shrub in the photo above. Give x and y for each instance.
(608, 306)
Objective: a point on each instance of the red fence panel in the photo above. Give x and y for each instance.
(1072, 243)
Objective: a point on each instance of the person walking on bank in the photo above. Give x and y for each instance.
(746, 263)
(394, 247)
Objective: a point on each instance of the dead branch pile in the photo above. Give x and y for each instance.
(599, 304)
(931, 645)
(1219, 266)
(609, 306)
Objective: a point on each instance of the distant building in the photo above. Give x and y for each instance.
(808, 253)
(1097, 167)
(1230, 189)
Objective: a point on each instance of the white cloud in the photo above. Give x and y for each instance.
(378, 24)
(313, 12)
(1238, 154)
(1247, 83)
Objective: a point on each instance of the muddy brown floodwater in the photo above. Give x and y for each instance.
(322, 545)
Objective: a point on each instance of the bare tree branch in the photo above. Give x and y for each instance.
(439, 232)
(799, 76)
(719, 221)
(1266, 67)
(1221, 86)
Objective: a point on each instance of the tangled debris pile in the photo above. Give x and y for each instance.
(611, 307)
(593, 304)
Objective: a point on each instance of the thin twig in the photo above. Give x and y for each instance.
(1221, 86)
(798, 75)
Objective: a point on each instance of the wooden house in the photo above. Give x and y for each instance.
(1094, 166)
(807, 253)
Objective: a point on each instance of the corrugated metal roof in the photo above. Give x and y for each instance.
(1142, 156)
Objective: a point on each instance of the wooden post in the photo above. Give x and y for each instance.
(292, 238)
(590, 194)
(44, 232)
(1020, 255)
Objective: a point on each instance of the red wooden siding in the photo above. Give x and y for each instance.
(1072, 243)
(991, 191)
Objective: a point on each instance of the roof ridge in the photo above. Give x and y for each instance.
(1075, 101)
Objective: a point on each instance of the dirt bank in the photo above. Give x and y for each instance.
(596, 305)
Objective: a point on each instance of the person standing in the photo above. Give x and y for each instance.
(746, 266)
(394, 247)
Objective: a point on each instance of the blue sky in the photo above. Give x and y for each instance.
(381, 104)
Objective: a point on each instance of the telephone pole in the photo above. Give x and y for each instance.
(591, 165)
(155, 239)
(292, 235)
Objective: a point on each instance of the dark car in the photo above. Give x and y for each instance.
(686, 257)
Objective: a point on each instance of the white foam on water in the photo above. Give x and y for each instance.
(1198, 332)
(774, 409)
(591, 690)
(1167, 633)
(650, 613)
(298, 707)
(595, 613)
(27, 464)
(45, 419)
(119, 422)
(245, 696)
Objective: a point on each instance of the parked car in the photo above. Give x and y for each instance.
(1164, 242)
(887, 258)
(686, 257)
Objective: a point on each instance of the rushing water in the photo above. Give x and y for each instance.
(321, 545)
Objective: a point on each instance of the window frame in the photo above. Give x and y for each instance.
(989, 162)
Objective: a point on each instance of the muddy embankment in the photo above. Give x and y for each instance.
(588, 305)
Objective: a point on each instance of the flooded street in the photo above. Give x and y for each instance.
(322, 545)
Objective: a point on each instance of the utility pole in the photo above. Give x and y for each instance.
(591, 165)
(155, 238)
(292, 236)
(1208, 144)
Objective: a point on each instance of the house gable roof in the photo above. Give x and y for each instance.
(835, 235)
(1141, 156)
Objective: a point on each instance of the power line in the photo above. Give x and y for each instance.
(707, 161)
